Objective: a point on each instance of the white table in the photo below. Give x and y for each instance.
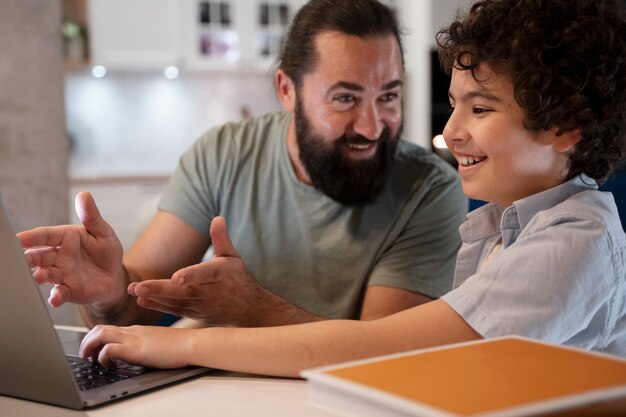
(218, 393)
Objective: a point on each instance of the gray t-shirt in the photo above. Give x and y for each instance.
(304, 246)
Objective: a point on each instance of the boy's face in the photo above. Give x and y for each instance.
(499, 160)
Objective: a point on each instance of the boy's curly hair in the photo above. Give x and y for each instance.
(567, 62)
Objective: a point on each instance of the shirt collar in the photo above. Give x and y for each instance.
(531, 205)
(492, 219)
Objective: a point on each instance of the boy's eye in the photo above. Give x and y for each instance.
(480, 110)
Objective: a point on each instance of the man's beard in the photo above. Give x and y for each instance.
(348, 182)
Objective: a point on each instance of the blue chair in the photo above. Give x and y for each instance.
(617, 185)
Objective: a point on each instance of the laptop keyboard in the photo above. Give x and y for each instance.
(90, 375)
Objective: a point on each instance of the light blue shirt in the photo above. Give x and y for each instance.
(559, 276)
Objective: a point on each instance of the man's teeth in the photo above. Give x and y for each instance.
(359, 146)
(470, 160)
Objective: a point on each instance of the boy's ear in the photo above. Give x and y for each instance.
(566, 140)
(286, 90)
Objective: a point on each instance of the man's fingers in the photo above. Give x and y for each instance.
(59, 294)
(42, 236)
(167, 306)
(220, 239)
(42, 257)
(48, 275)
(90, 217)
(164, 288)
(202, 273)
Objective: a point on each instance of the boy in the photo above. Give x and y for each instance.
(538, 93)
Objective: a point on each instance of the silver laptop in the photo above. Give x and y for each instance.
(33, 364)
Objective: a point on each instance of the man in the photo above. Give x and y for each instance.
(331, 215)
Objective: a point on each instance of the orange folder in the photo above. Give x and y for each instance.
(501, 377)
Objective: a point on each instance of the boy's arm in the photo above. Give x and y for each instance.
(279, 351)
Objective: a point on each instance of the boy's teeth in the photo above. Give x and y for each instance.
(470, 160)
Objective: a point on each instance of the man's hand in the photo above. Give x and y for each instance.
(83, 262)
(218, 292)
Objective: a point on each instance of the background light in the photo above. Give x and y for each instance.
(171, 73)
(439, 142)
(98, 71)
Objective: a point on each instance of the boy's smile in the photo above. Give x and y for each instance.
(499, 159)
(467, 161)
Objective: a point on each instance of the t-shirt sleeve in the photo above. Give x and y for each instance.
(423, 256)
(190, 195)
(551, 284)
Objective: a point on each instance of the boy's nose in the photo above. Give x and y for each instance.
(454, 131)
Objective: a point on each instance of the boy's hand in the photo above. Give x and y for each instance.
(154, 347)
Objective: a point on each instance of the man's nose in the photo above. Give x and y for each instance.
(368, 122)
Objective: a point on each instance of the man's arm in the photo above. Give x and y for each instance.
(218, 292)
(383, 301)
(167, 245)
(222, 292)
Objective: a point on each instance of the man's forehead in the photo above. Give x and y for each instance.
(353, 60)
(332, 40)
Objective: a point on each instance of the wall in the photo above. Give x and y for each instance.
(443, 12)
(415, 19)
(33, 144)
(138, 124)
(33, 158)
(421, 20)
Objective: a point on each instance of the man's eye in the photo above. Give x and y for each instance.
(390, 97)
(345, 98)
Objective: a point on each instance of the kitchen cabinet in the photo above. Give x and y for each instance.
(189, 34)
(136, 34)
(244, 34)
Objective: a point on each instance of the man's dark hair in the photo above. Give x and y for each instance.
(361, 18)
(567, 62)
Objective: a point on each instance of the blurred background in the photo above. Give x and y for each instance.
(105, 95)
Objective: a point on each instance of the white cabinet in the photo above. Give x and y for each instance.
(249, 37)
(189, 34)
(136, 34)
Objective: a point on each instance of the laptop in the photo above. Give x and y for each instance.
(33, 363)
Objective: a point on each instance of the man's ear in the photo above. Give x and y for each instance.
(286, 90)
(566, 140)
